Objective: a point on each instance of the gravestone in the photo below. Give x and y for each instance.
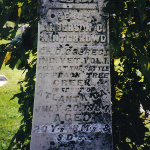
(3, 80)
(72, 108)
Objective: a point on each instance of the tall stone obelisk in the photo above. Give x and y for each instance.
(72, 107)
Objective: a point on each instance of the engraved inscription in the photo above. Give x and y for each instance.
(72, 107)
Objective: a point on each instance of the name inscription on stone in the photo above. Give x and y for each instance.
(72, 108)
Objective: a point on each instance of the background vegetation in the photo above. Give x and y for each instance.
(9, 116)
(129, 45)
(130, 42)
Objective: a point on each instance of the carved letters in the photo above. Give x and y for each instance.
(72, 107)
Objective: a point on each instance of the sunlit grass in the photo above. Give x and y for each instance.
(9, 116)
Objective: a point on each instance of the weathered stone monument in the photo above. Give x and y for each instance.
(72, 108)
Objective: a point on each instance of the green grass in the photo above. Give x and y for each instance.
(9, 116)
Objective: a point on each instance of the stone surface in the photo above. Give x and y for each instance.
(3, 80)
(72, 108)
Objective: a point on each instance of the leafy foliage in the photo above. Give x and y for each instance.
(129, 41)
(22, 52)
